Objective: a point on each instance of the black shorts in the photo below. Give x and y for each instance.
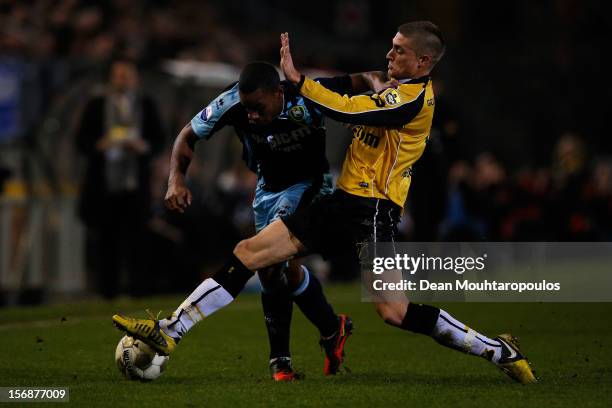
(338, 223)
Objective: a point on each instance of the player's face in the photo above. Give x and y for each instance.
(403, 61)
(262, 106)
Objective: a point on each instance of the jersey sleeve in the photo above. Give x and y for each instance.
(217, 114)
(392, 107)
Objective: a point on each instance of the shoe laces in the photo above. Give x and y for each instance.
(152, 316)
(155, 334)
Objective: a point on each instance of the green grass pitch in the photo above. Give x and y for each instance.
(223, 361)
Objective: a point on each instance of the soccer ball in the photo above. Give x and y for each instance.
(137, 361)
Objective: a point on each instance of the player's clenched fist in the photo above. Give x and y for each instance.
(178, 197)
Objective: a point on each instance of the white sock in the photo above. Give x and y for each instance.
(450, 332)
(204, 301)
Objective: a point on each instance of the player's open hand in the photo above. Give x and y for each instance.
(178, 197)
(286, 61)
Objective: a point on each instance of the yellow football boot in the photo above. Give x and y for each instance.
(148, 331)
(512, 362)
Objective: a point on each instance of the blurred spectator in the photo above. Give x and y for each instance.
(571, 178)
(119, 134)
(568, 201)
(460, 223)
(598, 195)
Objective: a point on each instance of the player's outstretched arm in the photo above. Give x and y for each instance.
(375, 81)
(386, 109)
(178, 197)
(389, 108)
(215, 116)
(358, 83)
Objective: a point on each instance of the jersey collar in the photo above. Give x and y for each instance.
(422, 80)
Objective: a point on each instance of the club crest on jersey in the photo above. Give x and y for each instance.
(391, 97)
(297, 113)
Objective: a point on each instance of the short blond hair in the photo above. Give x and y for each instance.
(427, 38)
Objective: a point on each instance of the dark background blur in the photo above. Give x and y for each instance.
(518, 151)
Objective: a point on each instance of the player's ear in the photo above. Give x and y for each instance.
(425, 60)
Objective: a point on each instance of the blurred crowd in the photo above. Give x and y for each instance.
(483, 200)
(537, 172)
(90, 32)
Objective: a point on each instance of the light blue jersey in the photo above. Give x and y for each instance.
(289, 150)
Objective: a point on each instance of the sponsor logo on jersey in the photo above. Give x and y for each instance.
(286, 141)
(364, 184)
(366, 138)
(297, 113)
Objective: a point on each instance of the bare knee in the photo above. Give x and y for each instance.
(392, 313)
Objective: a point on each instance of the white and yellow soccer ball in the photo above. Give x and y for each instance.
(137, 361)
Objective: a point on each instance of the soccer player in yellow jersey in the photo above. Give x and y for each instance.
(390, 132)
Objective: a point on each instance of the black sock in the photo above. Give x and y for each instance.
(277, 308)
(420, 318)
(312, 302)
(233, 276)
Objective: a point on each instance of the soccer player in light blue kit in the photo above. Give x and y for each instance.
(284, 143)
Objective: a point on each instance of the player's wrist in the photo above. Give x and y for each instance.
(300, 81)
(176, 179)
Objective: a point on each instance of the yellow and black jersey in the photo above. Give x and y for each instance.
(389, 136)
